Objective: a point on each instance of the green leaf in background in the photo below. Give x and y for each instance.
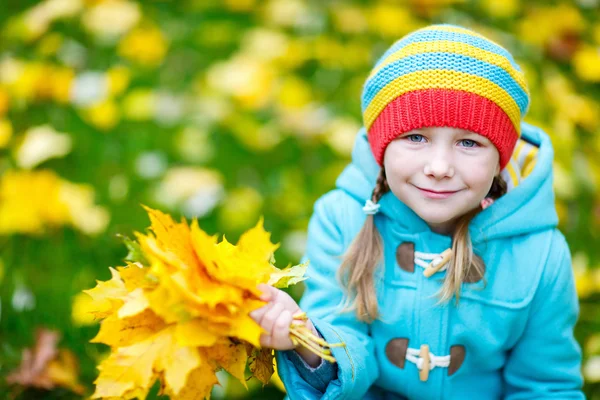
(289, 275)
(135, 253)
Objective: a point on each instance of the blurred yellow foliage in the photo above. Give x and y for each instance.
(35, 200)
(144, 45)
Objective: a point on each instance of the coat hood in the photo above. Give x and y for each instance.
(527, 207)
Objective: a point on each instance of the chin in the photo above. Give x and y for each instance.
(436, 218)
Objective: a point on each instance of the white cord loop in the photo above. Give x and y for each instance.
(371, 208)
(432, 262)
(424, 259)
(412, 355)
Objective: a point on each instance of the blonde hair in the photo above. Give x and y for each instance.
(365, 253)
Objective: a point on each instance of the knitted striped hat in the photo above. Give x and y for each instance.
(445, 75)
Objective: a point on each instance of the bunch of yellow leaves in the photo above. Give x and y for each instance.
(179, 311)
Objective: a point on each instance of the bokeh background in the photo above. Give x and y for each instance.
(227, 110)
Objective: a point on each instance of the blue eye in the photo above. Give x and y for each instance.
(469, 143)
(415, 138)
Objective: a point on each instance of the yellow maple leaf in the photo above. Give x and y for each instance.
(107, 292)
(135, 302)
(172, 237)
(117, 332)
(244, 327)
(156, 253)
(204, 247)
(86, 311)
(242, 268)
(198, 385)
(257, 242)
(135, 275)
(134, 367)
(128, 368)
(176, 362)
(195, 333)
(205, 291)
(230, 356)
(168, 303)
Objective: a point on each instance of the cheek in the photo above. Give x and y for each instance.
(480, 177)
(397, 171)
(481, 168)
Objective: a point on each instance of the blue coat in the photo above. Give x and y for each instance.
(516, 333)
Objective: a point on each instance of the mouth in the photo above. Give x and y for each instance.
(436, 194)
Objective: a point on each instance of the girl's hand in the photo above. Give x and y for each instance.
(275, 318)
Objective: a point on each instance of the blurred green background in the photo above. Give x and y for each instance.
(226, 111)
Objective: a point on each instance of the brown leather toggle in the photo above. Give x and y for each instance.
(395, 351)
(457, 356)
(405, 256)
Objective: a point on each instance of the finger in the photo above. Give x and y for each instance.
(271, 316)
(281, 331)
(258, 314)
(269, 293)
(265, 340)
(267, 322)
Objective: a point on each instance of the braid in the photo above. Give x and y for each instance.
(362, 258)
(381, 187)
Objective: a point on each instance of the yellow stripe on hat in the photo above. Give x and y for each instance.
(448, 46)
(443, 79)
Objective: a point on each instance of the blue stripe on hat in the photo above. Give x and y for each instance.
(431, 34)
(444, 61)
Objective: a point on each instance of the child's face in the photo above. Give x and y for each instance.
(441, 173)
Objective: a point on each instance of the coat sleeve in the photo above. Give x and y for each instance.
(546, 361)
(356, 365)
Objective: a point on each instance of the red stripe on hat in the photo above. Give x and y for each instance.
(443, 107)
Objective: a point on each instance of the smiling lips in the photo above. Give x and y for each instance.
(434, 194)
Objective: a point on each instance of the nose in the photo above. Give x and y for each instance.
(439, 165)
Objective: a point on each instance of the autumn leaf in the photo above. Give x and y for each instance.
(135, 302)
(34, 362)
(195, 333)
(133, 367)
(257, 242)
(136, 275)
(199, 384)
(231, 357)
(45, 367)
(63, 371)
(261, 364)
(107, 293)
(288, 276)
(119, 332)
(84, 311)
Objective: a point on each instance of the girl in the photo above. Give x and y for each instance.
(437, 258)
